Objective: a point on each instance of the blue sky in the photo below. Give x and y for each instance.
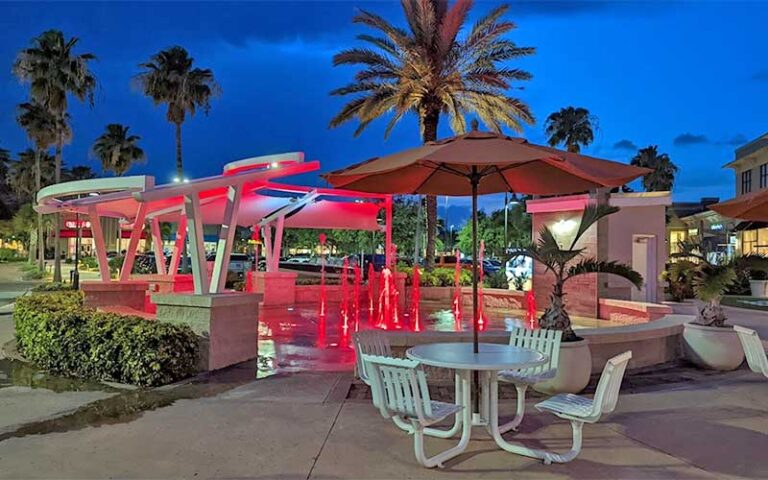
(691, 77)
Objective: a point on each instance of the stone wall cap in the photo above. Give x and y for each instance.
(206, 300)
(129, 285)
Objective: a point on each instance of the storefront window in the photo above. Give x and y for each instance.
(755, 241)
(675, 237)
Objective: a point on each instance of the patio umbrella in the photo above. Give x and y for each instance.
(752, 206)
(481, 163)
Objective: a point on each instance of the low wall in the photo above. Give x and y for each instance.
(130, 294)
(651, 343)
(311, 293)
(629, 312)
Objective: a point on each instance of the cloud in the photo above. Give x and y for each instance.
(734, 141)
(686, 139)
(625, 145)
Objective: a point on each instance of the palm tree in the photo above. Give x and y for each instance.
(168, 78)
(572, 126)
(78, 172)
(117, 150)
(428, 70)
(662, 178)
(564, 264)
(40, 125)
(54, 71)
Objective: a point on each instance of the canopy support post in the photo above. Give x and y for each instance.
(277, 244)
(157, 243)
(226, 238)
(181, 237)
(388, 231)
(196, 248)
(268, 246)
(133, 243)
(98, 240)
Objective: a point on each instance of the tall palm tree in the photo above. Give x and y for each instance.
(662, 178)
(169, 78)
(117, 150)
(429, 70)
(78, 172)
(54, 71)
(40, 125)
(33, 170)
(572, 126)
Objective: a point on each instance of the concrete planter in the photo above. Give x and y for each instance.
(573, 369)
(759, 288)
(714, 348)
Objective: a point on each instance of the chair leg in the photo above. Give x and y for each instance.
(515, 422)
(438, 432)
(550, 457)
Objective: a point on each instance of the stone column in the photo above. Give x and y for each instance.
(278, 288)
(227, 322)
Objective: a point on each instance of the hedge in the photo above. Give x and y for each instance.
(57, 333)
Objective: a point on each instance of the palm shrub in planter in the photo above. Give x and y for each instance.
(566, 263)
(708, 341)
(758, 283)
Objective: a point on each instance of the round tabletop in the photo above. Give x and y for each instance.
(461, 356)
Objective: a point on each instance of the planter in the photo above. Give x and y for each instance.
(759, 288)
(573, 369)
(715, 348)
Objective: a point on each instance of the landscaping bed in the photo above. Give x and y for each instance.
(57, 333)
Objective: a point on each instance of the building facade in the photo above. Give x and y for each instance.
(751, 174)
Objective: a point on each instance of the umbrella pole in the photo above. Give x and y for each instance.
(475, 179)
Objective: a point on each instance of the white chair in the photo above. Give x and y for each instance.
(753, 350)
(580, 410)
(546, 342)
(376, 342)
(404, 394)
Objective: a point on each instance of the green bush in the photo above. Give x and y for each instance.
(89, 263)
(497, 280)
(59, 334)
(32, 274)
(438, 277)
(52, 287)
(9, 255)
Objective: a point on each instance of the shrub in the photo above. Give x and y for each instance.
(52, 287)
(438, 277)
(758, 275)
(59, 334)
(32, 274)
(497, 280)
(89, 263)
(9, 255)
(679, 276)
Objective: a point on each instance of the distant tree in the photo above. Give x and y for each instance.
(662, 178)
(491, 231)
(117, 150)
(571, 126)
(78, 172)
(430, 70)
(54, 71)
(169, 78)
(22, 174)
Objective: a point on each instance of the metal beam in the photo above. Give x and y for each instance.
(277, 244)
(133, 243)
(267, 230)
(98, 240)
(157, 242)
(290, 207)
(388, 232)
(181, 238)
(226, 238)
(196, 248)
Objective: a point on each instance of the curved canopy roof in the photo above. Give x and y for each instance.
(302, 207)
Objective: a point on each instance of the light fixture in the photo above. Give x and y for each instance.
(564, 227)
(275, 165)
(176, 180)
(186, 180)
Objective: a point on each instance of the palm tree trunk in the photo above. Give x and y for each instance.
(179, 162)
(180, 175)
(430, 120)
(38, 184)
(57, 218)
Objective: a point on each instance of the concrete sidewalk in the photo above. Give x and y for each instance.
(301, 426)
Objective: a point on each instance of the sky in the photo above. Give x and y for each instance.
(690, 77)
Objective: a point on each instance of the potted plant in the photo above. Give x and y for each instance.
(566, 263)
(758, 283)
(708, 342)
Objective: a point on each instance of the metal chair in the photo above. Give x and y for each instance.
(404, 394)
(546, 342)
(376, 342)
(580, 410)
(753, 350)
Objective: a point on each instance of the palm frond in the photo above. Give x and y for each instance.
(591, 215)
(591, 265)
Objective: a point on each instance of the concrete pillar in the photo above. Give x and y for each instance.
(278, 288)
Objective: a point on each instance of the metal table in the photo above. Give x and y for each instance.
(491, 359)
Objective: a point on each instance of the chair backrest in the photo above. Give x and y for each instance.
(607, 393)
(543, 340)
(753, 349)
(370, 342)
(403, 386)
